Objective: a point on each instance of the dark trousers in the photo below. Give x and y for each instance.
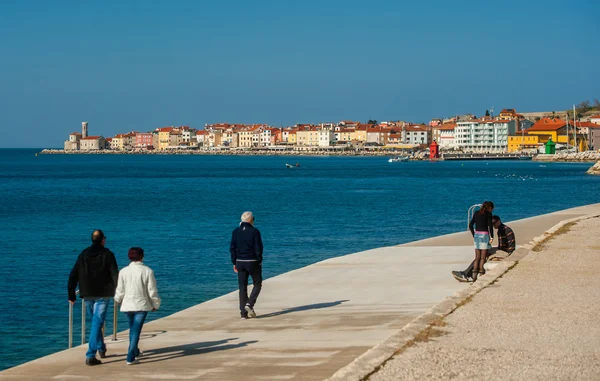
(245, 270)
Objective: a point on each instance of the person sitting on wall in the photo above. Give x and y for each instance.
(506, 243)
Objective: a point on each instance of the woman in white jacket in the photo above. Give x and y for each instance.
(137, 294)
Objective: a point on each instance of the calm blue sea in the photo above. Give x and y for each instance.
(181, 210)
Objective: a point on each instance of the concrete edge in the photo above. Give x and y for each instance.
(369, 362)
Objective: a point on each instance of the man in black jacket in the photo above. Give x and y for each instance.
(96, 272)
(246, 250)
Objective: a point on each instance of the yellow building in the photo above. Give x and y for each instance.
(292, 138)
(245, 137)
(117, 142)
(164, 137)
(359, 135)
(344, 135)
(544, 130)
(527, 142)
(307, 137)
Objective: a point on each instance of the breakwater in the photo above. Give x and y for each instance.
(234, 152)
(576, 157)
(484, 156)
(595, 169)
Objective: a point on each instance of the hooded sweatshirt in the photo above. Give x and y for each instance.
(96, 272)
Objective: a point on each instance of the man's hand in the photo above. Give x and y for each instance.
(491, 241)
(234, 269)
(72, 302)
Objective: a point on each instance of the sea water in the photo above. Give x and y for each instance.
(182, 209)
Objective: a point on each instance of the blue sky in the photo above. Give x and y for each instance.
(138, 65)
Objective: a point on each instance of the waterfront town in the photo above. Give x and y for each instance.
(508, 132)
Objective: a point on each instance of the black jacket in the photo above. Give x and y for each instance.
(246, 244)
(96, 272)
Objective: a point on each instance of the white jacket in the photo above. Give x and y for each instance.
(136, 290)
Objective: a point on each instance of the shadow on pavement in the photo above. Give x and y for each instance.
(168, 353)
(307, 307)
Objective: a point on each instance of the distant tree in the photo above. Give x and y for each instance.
(583, 107)
(537, 118)
(596, 104)
(487, 112)
(372, 121)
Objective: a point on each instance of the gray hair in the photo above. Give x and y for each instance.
(247, 217)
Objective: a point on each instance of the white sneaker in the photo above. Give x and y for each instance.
(250, 311)
(134, 362)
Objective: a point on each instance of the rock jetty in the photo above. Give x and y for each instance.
(587, 156)
(250, 152)
(595, 169)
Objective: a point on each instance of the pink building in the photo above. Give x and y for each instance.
(143, 140)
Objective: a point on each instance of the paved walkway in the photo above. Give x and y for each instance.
(313, 321)
(537, 322)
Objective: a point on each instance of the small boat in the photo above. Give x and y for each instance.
(525, 157)
(292, 166)
(397, 159)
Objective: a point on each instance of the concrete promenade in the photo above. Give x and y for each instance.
(312, 322)
(537, 322)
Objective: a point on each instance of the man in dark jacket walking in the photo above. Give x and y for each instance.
(246, 250)
(96, 272)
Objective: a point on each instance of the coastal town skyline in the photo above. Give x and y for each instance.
(136, 64)
(508, 132)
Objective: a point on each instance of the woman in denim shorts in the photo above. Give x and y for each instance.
(482, 229)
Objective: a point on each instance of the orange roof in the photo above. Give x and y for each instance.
(447, 127)
(92, 138)
(587, 124)
(547, 124)
(75, 133)
(595, 116)
(165, 129)
(201, 132)
(415, 128)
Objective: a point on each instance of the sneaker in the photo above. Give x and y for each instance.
(244, 317)
(134, 362)
(250, 311)
(92, 361)
(460, 276)
(102, 354)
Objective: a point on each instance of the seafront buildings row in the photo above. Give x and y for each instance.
(508, 132)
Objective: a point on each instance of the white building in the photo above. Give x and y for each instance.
(326, 137)
(416, 135)
(186, 135)
(446, 139)
(73, 142)
(483, 135)
(265, 137)
(92, 143)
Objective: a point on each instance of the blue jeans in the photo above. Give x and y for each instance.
(136, 321)
(96, 310)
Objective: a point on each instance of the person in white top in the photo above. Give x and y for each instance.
(137, 294)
